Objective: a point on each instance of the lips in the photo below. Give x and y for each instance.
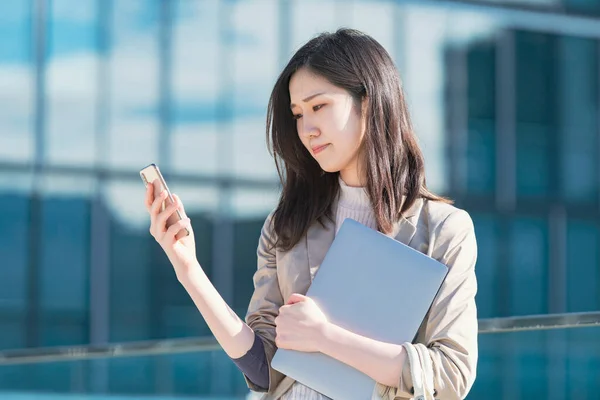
(318, 149)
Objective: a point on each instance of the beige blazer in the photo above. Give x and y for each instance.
(448, 333)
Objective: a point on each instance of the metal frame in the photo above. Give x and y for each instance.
(457, 121)
(99, 272)
(223, 232)
(32, 316)
(202, 344)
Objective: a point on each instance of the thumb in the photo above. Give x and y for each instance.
(296, 298)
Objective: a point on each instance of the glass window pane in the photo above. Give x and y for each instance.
(556, 363)
(250, 207)
(535, 73)
(520, 366)
(131, 248)
(528, 269)
(488, 292)
(254, 50)
(424, 50)
(134, 84)
(375, 19)
(246, 236)
(310, 18)
(146, 300)
(71, 82)
(251, 158)
(17, 140)
(134, 376)
(583, 363)
(251, 203)
(191, 372)
(14, 247)
(541, 4)
(584, 7)
(64, 260)
(536, 111)
(578, 66)
(481, 88)
(195, 79)
(488, 384)
(583, 275)
(534, 160)
(481, 156)
(174, 375)
(65, 244)
(130, 284)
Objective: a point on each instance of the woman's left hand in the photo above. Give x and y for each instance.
(300, 325)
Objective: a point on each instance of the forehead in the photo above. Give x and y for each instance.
(305, 83)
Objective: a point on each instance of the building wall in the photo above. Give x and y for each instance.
(505, 103)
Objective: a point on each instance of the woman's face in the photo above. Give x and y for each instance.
(329, 124)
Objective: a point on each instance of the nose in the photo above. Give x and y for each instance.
(309, 128)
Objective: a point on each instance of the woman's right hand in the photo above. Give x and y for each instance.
(231, 332)
(182, 252)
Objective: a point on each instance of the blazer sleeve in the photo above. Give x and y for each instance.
(265, 302)
(450, 330)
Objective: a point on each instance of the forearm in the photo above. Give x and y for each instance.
(231, 332)
(381, 361)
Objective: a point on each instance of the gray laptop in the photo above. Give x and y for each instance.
(371, 285)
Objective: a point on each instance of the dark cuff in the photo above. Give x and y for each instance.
(254, 364)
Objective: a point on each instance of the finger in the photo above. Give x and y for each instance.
(296, 298)
(281, 341)
(149, 198)
(154, 212)
(181, 209)
(176, 227)
(162, 218)
(283, 309)
(158, 202)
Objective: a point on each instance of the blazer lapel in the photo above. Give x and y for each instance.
(406, 227)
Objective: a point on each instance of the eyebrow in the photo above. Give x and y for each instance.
(309, 98)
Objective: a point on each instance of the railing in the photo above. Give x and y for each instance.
(189, 345)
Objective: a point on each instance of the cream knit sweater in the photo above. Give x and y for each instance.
(353, 203)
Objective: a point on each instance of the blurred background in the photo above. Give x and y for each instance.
(504, 96)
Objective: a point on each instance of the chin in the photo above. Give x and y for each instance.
(329, 168)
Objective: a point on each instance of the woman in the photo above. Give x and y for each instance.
(344, 147)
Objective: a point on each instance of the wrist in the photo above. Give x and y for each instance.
(327, 335)
(190, 274)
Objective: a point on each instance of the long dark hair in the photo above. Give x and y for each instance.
(393, 161)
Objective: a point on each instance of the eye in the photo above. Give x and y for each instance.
(318, 107)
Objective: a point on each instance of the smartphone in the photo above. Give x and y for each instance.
(151, 173)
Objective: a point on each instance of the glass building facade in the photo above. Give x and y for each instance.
(505, 98)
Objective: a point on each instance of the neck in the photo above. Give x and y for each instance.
(352, 179)
(354, 203)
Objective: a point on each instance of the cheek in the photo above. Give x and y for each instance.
(338, 120)
(345, 123)
(349, 136)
